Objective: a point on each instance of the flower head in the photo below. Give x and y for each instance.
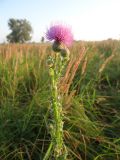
(60, 33)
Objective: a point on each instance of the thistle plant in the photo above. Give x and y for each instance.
(62, 38)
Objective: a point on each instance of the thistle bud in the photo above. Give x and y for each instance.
(65, 53)
(56, 46)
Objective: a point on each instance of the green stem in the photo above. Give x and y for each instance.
(57, 117)
(47, 155)
(55, 71)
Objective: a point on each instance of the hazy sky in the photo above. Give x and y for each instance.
(89, 19)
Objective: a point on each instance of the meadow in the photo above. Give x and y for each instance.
(91, 101)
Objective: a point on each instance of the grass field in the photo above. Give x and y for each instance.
(91, 101)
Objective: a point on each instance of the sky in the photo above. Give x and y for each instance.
(89, 19)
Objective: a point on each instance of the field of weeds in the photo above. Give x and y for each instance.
(91, 103)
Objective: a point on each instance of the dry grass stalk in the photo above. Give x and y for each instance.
(84, 66)
(105, 63)
(68, 100)
(75, 67)
(70, 72)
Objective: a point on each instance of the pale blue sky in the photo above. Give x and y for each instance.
(89, 19)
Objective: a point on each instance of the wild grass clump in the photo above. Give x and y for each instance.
(91, 100)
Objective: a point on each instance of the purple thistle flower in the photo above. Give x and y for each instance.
(60, 33)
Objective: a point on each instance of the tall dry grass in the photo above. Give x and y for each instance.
(90, 87)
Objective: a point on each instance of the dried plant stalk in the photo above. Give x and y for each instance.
(105, 63)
